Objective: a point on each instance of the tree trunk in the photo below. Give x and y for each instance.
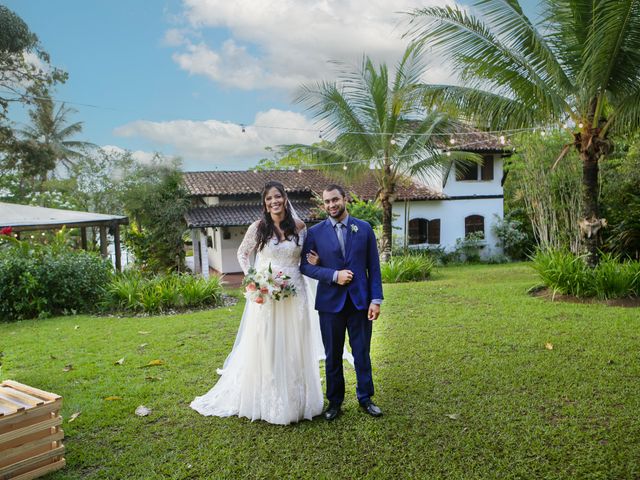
(590, 148)
(590, 212)
(387, 229)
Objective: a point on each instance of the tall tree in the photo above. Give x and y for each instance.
(51, 126)
(579, 65)
(25, 69)
(380, 128)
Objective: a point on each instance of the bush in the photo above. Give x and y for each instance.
(468, 248)
(411, 268)
(514, 240)
(45, 280)
(568, 274)
(132, 292)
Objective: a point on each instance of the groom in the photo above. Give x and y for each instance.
(349, 295)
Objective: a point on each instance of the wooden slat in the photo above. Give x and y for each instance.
(7, 455)
(10, 405)
(15, 467)
(54, 422)
(25, 398)
(52, 467)
(32, 391)
(24, 416)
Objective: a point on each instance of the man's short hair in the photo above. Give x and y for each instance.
(334, 186)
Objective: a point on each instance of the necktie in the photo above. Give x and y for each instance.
(340, 234)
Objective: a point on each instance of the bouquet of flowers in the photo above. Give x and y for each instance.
(264, 285)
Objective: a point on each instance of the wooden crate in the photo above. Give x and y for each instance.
(30, 433)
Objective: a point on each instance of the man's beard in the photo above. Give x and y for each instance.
(339, 213)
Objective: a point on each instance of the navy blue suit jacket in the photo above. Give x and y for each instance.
(361, 257)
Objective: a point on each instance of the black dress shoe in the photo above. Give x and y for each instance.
(371, 408)
(331, 412)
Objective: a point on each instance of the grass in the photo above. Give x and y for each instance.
(469, 344)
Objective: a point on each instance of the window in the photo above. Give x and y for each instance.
(418, 231)
(473, 223)
(424, 231)
(486, 169)
(466, 171)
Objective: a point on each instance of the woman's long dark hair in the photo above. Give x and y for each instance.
(266, 228)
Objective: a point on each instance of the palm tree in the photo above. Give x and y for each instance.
(51, 127)
(578, 67)
(379, 128)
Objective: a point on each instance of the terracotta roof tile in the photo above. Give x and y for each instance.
(239, 214)
(250, 183)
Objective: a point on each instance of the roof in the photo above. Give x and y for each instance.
(27, 217)
(244, 183)
(239, 214)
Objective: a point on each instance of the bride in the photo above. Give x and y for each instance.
(272, 372)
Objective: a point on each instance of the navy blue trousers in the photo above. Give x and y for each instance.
(333, 327)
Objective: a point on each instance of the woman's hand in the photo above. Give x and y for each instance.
(313, 258)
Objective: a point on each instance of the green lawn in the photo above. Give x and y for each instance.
(469, 344)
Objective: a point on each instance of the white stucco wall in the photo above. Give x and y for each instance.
(456, 188)
(452, 214)
(223, 256)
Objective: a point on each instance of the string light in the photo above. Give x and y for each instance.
(502, 140)
(452, 141)
(344, 167)
(580, 125)
(543, 133)
(242, 125)
(393, 141)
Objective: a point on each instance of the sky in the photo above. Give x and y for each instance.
(180, 77)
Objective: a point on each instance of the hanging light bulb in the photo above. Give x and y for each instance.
(581, 125)
(320, 135)
(543, 133)
(393, 141)
(299, 170)
(344, 167)
(242, 125)
(448, 153)
(452, 141)
(502, 139)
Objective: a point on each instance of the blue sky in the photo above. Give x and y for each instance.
(178, 77)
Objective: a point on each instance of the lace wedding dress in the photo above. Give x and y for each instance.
(272, 372)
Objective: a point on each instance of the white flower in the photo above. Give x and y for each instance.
(354, 228)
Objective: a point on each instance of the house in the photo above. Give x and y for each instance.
(433, 214)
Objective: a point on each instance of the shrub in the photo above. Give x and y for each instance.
(469, 247)
(44, 280)
(411, 268)
(566, 273)
(513, 238)
(133, 292)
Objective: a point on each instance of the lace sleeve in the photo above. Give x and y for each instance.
(248, 247)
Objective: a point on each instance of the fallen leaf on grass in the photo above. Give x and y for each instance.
(68, 368)
(142, 345)
(53, 357)
(76, 327)
(142, 411)
(153, 379)
(452, 416)
(144, 333)
(153, 363)
(119, 362)
(74, 416)
(548, 346)
(112, 398)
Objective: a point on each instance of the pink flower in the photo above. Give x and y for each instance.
(260, 300)
(264, 290)
(251, 287)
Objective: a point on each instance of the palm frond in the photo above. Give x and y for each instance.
(482, 59)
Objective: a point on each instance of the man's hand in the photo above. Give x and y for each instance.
(374, 311)
(344, 277)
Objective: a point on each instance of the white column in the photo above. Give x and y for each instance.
(204, 255)
(195, 241)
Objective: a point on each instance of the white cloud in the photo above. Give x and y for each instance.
(283, 43)
(138, 155)
(210, 144)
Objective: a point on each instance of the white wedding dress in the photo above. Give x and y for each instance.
(272, 372)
